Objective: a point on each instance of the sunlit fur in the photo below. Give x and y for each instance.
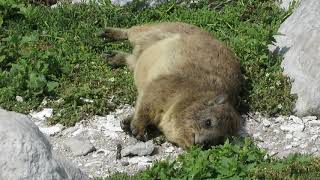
(185, 78)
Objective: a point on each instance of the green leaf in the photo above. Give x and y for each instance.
(2, 58)
(1, 20)
(36, 82)
(30, 38)
(51, 85)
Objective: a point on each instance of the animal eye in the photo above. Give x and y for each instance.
(208, 122)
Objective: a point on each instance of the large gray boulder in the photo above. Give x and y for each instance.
(300, 45)
(26, 152)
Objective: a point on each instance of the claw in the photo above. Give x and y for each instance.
(109, 54)
(138, 133)
(125, 124)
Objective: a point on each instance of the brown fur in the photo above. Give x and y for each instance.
(188, 82)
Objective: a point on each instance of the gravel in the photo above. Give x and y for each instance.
(116, 151)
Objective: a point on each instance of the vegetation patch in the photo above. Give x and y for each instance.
(242, 160)
(52, 56)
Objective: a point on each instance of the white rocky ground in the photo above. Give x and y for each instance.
(93, 145)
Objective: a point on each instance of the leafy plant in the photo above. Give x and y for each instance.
(241, 160)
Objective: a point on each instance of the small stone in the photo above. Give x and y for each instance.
(44, 102)
(109, 123)
(289, 136)
(314, 149)
(295, 144)
(79, 146)
(94, 163)
(139, 149)
(53, 130)
(279, 119)
(85, 100)
(169, 149)
(69, 131)
(124, 163)
(272, 153)
(288, 147)
(143, 165)
(303, 152)
(118, 154)
(266, 123)
(111, 134)
(314, 137)
(303, 146)
(42, 115)
(295, 119)
(103, 151)
(136, 160)
(309, 118)
(19, 98)
(299, 135)
(292, 127)
(276, 131)
(314, 123)
(79, 131)
(256, 135)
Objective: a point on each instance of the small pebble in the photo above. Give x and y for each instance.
(124, 163)
(314, 123)
(294, 144)
(279, 119)
(289, 136)
(288, 147)
(256, 135)
(276, 131)
(139, 149)
(169, 149)
(303, 146)
(266, 123)
(314, 137)
(19, 98)
(309, 118)
(79, 146)
(118, 154)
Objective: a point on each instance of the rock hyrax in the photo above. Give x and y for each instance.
(188, 82)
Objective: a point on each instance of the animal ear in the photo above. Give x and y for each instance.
(221, 99)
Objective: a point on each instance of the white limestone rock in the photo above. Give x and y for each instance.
(26, 152)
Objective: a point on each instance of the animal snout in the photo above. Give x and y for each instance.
(200, 140)
(206, 141)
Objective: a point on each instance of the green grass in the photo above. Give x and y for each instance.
(242, 160)
(54, 53)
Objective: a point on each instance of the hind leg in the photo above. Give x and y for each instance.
(116, 58)
(119, 58)
(114, 34)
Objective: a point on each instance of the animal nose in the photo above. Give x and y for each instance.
(200, 140)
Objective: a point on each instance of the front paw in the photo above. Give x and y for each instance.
(109, 34)
(138, 132)
(125, 124)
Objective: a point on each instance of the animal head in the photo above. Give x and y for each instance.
(206, 122)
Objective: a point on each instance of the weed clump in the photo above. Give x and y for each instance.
(242, 160)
